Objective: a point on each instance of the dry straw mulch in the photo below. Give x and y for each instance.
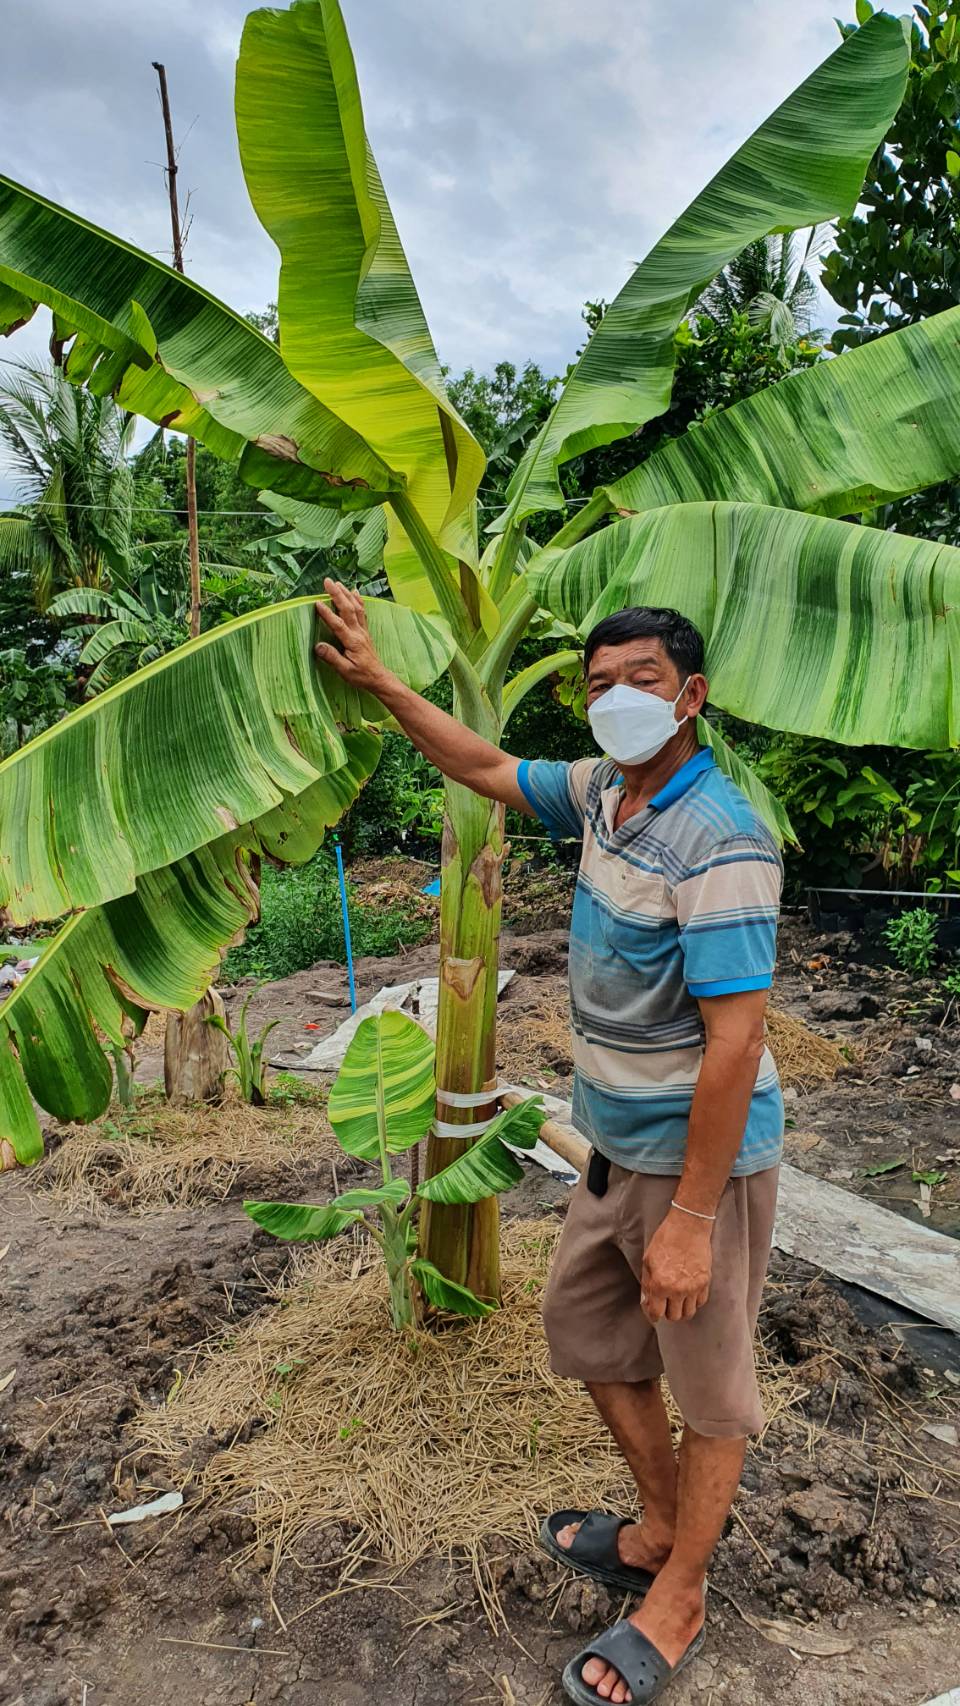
(457, 1439)
(803, 1057)
(537, 1041)
(163, 1157)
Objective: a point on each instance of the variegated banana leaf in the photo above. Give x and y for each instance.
(157, 947)
(352, 328)
(818, 626)
(488, 1166)
(739, 771)
(210, 736)
(805, 164)
(168, 350)
(382, 1100)
(875, 424)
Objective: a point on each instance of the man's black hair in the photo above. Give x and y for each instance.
(682, 642)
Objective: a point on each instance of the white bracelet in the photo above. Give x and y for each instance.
(695, 1212)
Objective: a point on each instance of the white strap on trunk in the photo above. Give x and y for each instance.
(467, 1098)
(444, 1128)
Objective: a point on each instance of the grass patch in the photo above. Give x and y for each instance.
(301, 923)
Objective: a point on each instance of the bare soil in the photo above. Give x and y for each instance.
(849, 1521)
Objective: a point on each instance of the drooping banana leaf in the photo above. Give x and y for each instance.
(817, 626)
(445, 1293)
(168, 350)
(805, 164)
(15, 310)
(488, 1167)
(764, 803)
(210, 736)
(384, 1094)
(124, 631)
(88, 602)
(158, 947)
(352, 328)
(877, 423)
(311, 525)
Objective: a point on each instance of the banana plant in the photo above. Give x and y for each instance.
(382, 1104)
(349, 414)
(249, 1068)
(249, 751)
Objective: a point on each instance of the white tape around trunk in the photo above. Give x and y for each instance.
(444, 1128)
(466, 1098)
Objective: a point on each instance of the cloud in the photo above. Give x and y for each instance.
(533, 149)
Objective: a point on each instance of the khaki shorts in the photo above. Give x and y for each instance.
(595, 1324)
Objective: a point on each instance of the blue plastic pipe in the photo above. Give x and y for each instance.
(346, 923)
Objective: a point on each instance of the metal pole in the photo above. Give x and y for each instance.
(346, 922)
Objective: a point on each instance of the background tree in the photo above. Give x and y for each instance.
(67, 450)
(770, 282)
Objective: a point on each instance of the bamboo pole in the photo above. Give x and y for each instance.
(560, 1139)
(193, 533)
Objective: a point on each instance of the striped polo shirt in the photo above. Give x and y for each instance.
(679, 903)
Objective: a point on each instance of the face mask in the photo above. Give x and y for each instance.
(631, 725)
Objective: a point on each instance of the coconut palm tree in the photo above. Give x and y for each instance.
(769, 281)
(67, 451)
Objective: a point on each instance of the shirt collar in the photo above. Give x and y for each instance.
(683, 779)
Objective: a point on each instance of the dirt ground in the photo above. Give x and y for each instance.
(848, 1527)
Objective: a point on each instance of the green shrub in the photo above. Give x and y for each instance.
(912, 940)
(300, 923)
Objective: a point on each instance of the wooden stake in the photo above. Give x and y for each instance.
(193, 534)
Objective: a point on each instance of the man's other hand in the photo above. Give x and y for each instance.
(354, 656)
(677, 1266)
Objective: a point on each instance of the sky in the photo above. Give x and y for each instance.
(533, 150)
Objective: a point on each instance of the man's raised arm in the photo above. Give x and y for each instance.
(462, 755)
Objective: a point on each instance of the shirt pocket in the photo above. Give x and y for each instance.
(632, 919)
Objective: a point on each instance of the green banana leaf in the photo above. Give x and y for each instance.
(351, 326)
(805, 164)
(158, 947)
(309, 1223)
(208, 737)
(124, 631)
(877, 423)
(445, 1293)
(15, 310)
(393, 1194)
(382, 1100)
(313, 526)
(168, 350)
(764, 803)
(488, 1167)
(818, 626)
(304, 1222)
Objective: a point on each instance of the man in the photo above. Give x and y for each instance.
(661, 1262)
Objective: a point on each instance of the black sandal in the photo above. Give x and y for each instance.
(636, 1661)
(594, 1551)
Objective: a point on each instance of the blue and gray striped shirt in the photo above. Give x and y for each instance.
(678, 904)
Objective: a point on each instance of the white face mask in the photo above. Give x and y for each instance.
(631, 725)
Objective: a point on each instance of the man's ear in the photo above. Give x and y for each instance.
(696, 695)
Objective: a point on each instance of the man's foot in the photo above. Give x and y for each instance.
(638, 1546)
(669, 1617)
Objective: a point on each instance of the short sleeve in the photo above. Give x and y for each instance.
(727, 910)
(557, 792)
